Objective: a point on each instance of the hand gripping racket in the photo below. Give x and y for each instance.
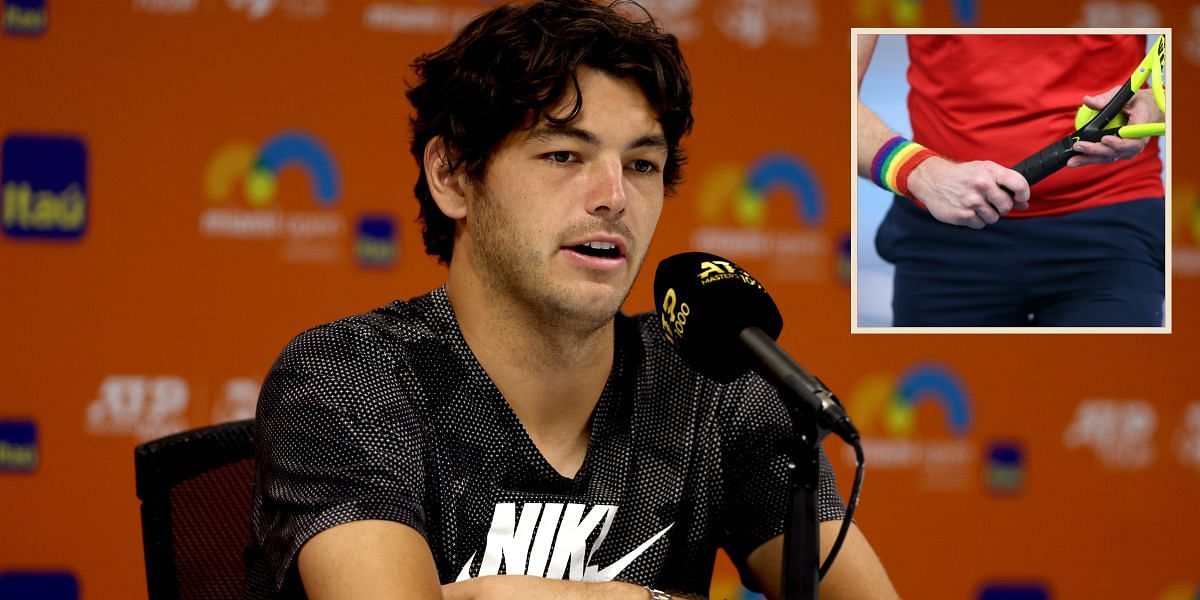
(1110, 120)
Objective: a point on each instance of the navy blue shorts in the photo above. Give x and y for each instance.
(1097, 267)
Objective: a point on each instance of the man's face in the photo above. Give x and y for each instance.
(564, 216)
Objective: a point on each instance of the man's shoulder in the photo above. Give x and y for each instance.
(389, 333)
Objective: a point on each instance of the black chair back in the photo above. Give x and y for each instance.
(195, 491)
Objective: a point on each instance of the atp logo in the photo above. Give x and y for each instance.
(139, 406)
(754, 23)
(1111, 13)
(1187, 438)
(886, 410)
(878, 399)
(238, 399)
(734, 206)
(910, 13)
(551, 540)
(258, 173)
(45, 187)
(1119, 432)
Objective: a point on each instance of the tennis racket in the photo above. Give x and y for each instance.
(1091, 125)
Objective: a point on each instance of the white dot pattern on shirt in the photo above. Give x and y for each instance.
(388, 415)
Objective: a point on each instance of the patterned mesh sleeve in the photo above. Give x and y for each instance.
(756, 429)
(325, 455)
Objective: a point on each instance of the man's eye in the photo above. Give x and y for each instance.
(644, 166)
(561, 156)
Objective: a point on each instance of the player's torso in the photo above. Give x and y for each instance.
(1002, 97)
(644, 506)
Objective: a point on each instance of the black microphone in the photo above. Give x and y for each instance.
(723, 322)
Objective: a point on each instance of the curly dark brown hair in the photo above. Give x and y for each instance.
(511, 64)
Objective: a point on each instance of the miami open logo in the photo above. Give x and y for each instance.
(918, 421)
(1185, 229)
(911, 13)
(254, 194)
(770, 211)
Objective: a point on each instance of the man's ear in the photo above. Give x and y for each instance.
(446, 185)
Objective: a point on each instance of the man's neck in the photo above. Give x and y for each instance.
(552, 375)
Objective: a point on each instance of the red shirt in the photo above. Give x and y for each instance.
(1003, 97)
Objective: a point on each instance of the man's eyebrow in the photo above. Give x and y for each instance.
(655, 141)
(546, 133)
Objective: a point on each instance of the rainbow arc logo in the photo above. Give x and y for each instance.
(314, 236)
(886, 411)
(258, 169)
(1185, 229)
(910, 13)
(745, 192)
(894, 403)
(732, 209)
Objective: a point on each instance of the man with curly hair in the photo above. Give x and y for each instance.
(510, 434)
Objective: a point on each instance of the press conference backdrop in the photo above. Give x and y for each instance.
(189, 183)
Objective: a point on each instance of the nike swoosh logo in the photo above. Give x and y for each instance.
(465, 574)
(593, 573)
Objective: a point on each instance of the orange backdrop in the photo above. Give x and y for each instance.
(151, 273)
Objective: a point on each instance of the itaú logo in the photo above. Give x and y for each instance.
(551, 540)
(44, 187)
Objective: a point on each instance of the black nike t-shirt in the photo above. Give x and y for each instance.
(388, 415)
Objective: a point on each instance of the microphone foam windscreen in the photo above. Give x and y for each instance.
(704, 302)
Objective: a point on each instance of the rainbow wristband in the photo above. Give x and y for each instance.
(895, 161)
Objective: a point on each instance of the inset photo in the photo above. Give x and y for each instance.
(1010, 181)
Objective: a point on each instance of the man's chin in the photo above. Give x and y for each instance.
(591, 304)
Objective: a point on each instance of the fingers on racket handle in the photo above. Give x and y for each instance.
(1047, 160)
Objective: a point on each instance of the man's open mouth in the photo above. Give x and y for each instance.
(598, 249)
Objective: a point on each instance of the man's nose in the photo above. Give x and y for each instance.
(607, 196)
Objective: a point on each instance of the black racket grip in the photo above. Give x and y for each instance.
(1047, 160)
(1044, 162)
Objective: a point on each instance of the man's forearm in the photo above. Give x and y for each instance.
(872, 135)
(499, 587)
